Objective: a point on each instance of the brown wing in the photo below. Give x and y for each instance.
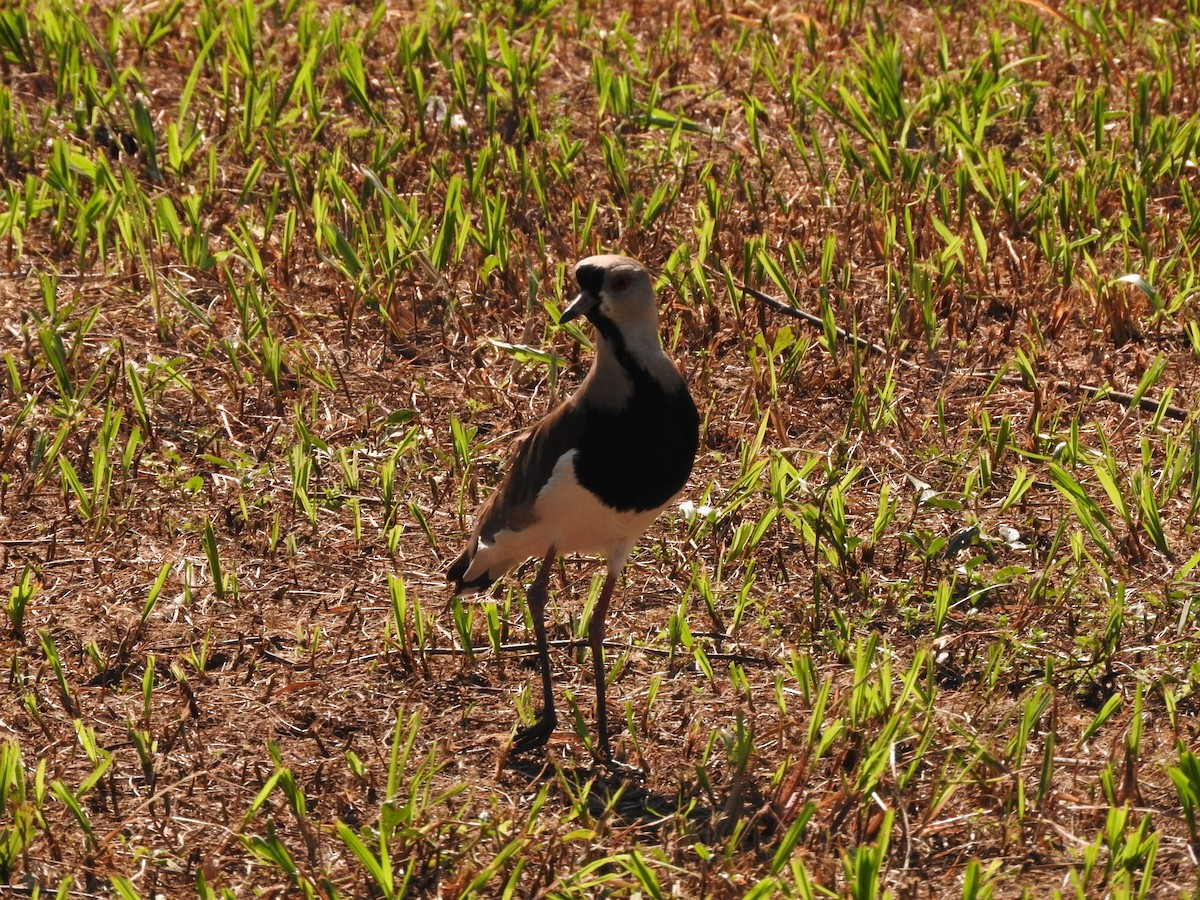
(510, 506)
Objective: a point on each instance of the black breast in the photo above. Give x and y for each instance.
(638, 457)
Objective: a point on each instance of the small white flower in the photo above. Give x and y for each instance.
(924, 489)
(691, 511)
(1011, 537)
(435, 108)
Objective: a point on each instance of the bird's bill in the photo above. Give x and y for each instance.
(580, 306)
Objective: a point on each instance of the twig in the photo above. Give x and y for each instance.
(816, 321)
(573, 644)
(29, 542)
(1144, 403)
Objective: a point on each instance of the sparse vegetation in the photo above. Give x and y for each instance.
(276, 298)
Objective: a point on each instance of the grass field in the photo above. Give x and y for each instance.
(277, 293)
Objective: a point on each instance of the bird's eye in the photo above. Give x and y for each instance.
(620, 281)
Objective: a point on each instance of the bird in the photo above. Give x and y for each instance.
(591, 476)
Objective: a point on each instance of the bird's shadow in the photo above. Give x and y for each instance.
(623, 796)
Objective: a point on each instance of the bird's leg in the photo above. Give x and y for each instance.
(596, 640)
(539, 732)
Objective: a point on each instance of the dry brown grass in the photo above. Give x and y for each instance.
(299, 669)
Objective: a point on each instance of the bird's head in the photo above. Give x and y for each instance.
(616, 290)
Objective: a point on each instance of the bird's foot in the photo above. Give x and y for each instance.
(621, 770)
(614, 766)
(536, 735)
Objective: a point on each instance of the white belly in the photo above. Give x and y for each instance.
(574, 521)
(571, 520)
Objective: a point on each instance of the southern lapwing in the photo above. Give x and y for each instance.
(593, 474)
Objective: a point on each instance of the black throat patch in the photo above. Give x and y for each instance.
(637, 457)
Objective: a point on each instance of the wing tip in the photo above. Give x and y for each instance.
(456, 574)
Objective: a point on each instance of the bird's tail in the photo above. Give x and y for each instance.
(457, 576)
